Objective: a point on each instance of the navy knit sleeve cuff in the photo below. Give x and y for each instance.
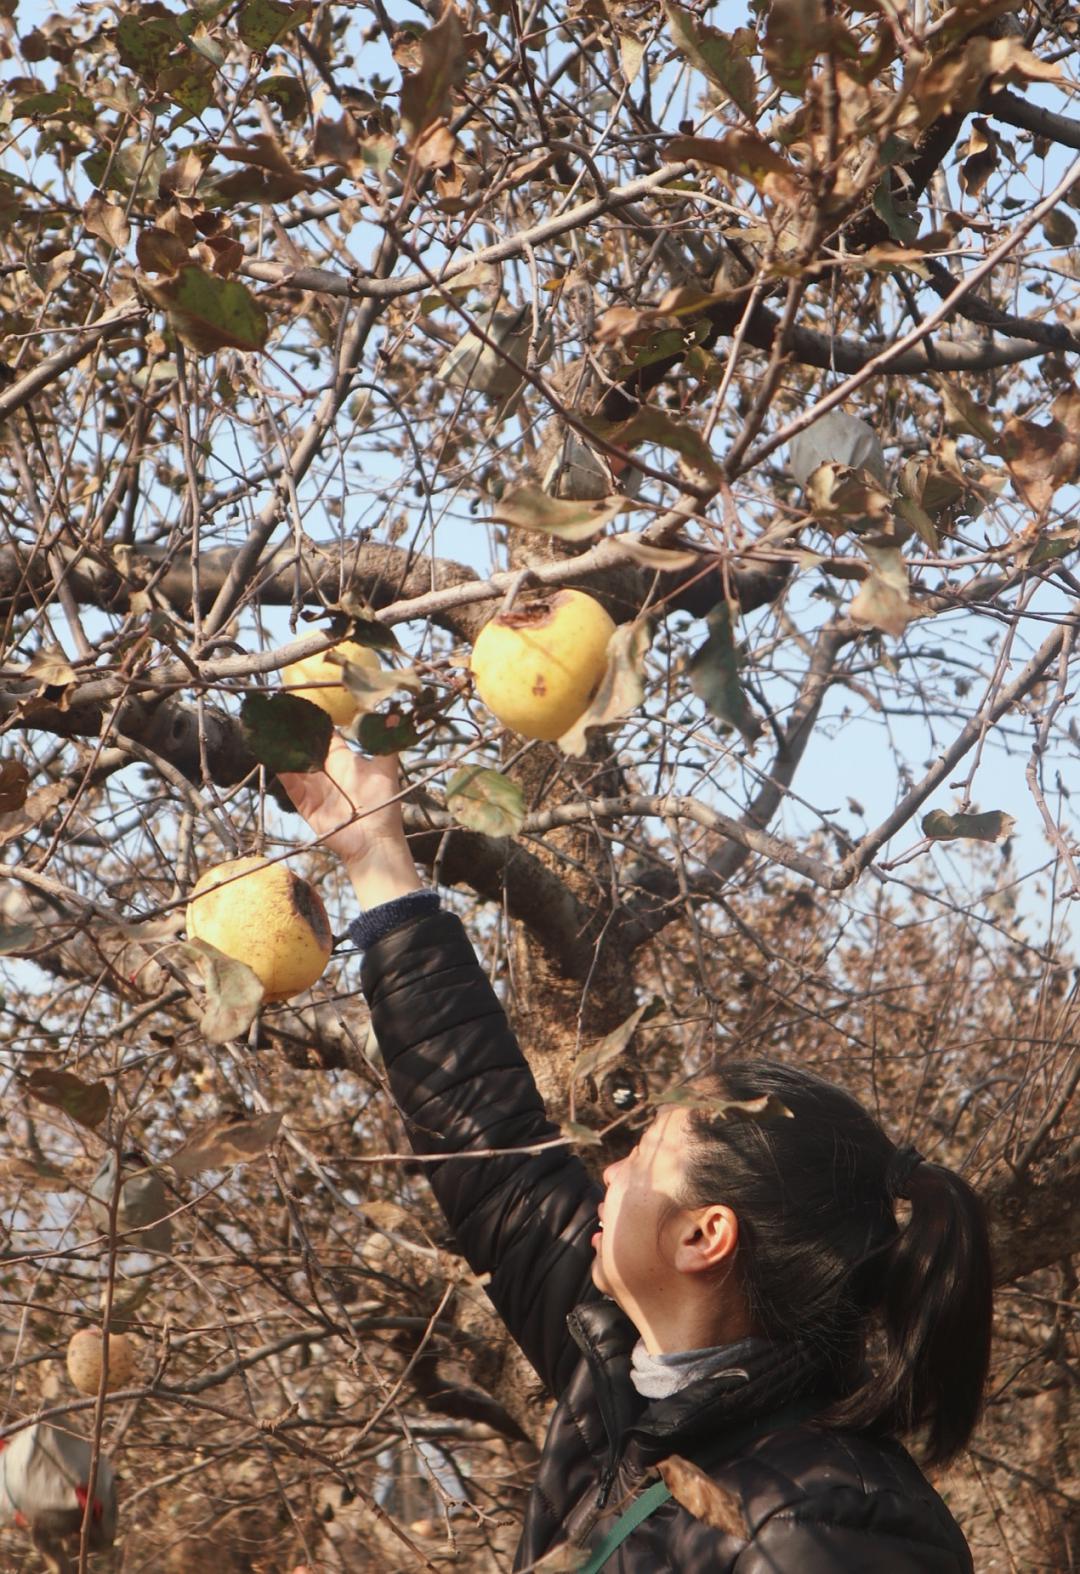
(379, 921)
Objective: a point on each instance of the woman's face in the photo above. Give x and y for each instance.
(640, 1219)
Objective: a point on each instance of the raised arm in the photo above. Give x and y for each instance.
(457, 1072)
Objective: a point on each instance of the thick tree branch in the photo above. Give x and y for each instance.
(363, 286)
(1053, 335)
(391, 580)
(1035, 1222)
(1015, 111)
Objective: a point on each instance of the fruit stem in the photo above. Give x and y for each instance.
(520, 579)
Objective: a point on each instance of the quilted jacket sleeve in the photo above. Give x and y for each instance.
(462, 1085)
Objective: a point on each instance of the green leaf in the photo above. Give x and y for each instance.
(261, 23)
(286, 92)
(13, 192)
(714, 677)
(220, 1144)
(189, 82)
(385, 734)
(85, 1102)
(358, 622)
(901, 218)
(659, 346)
(60, 104)
(144, 42)
(993, 826)
(621, 688)
(209, 313)
(131, 168)
(233, 991)
(285, 732)
(485, 800)
(608, 1049)
(531, 508)
(1053, 545)
(766, 1108)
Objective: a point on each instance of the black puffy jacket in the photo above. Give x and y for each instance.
(798, 1498)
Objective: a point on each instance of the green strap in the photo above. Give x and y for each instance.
(642, 1506)
(656, 1496)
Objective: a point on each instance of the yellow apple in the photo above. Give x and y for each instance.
(84, 1360)
(263, 914)
(537, 666)
(336, 700)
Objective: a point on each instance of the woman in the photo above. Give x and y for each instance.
(714, 1301)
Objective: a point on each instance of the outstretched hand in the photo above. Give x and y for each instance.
(352, 807)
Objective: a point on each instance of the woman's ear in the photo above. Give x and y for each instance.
(707, 1239)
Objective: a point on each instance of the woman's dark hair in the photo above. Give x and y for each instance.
(824, 1262)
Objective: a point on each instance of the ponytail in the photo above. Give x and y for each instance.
(826, 1265)
(936, 1312)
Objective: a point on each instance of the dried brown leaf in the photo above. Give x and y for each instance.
(107, 221)
(702, 1497)
(1041, 458)
(621, 688)
(219, 1144)
(746, 155)
(426, 92)
(160, 251)
(37, 807)
(14, 785)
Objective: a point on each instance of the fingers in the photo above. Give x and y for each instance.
(295, 784)
(349, 770)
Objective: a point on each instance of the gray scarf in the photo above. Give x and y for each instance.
(660, 1376)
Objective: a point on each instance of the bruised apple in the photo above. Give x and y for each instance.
(318, 679)
(537, 666)
(263, 914)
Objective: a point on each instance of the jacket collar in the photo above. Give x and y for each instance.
(763, 1377)
(605, 1336)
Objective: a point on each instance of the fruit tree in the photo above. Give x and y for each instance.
(726, 355)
